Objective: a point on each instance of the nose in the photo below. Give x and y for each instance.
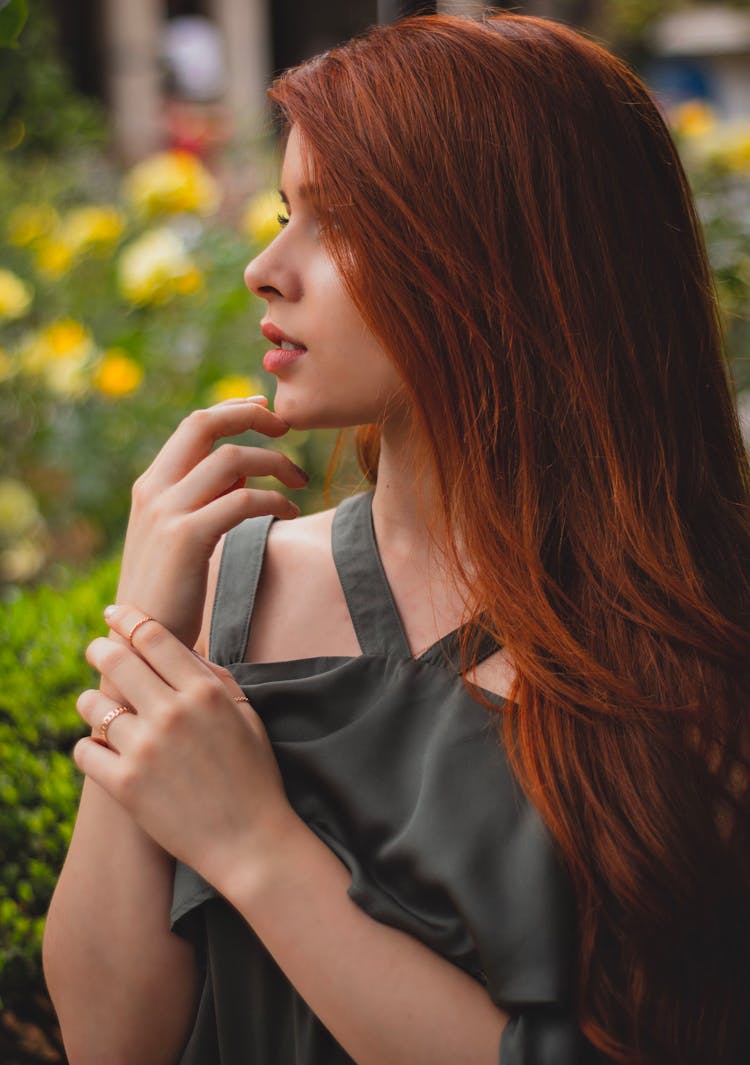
(269, 275)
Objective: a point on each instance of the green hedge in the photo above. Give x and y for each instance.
(43, 634)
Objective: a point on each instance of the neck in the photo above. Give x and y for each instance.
(405, 507)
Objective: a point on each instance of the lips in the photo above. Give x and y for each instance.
(286, 352)
(279, 338)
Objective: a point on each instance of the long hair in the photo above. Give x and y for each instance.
(510, 215)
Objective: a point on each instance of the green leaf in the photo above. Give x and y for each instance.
(13, 15)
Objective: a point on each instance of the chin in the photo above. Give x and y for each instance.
(300, 414)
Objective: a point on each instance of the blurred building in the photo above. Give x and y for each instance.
(119, 51)
(703, 52)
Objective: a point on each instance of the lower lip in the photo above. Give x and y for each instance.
(279, 358)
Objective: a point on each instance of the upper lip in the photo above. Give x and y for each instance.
(275, 335)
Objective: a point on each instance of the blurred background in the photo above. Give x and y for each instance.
(138, 164)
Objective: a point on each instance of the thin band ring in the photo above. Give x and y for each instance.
(108, 719)
(241, 699)
(137, 625)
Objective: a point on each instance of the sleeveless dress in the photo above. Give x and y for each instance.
(401, 773)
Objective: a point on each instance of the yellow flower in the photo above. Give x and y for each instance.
(15, 295)
(260, 219)
(726, 147)
(171, 183)
(53, 258)
(82, 230)
(694, 118)
(29, 222)
(234, 386)
(95, 228)
(737, 155)
(117, 374)
(155, 268)
(189, 282)
(61, 355)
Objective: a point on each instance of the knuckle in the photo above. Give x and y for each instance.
(197, 419)
(85, 700)
(150, 636)
(230, 454)
(171, 714)
(111, 655)
(139, 491)
(206, 691)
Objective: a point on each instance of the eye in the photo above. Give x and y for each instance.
(282, 219)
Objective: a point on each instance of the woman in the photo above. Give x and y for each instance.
(490, 263)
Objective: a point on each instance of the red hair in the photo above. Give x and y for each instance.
(512, 219)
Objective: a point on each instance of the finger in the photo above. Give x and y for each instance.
(159, 656)
(198, 432)
(244, 399)
(99, 763)
(229, 465)
(94, 708)
(230, 509)
(142, 687)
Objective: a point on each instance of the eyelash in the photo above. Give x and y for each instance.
(283, 220)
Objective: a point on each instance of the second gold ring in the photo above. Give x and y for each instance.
(109, 718)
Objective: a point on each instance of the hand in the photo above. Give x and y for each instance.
(188, 498)
(192, 766)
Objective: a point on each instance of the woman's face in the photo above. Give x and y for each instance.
(337, 373)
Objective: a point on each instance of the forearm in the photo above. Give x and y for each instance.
(385, 997)
(124, 987)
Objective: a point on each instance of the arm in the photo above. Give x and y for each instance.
(386, 997)
(123, 985)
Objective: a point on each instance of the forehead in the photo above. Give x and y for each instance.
(294, 173)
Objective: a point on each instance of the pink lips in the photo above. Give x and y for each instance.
(278, 358)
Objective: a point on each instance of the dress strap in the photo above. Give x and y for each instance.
(448, 649)
(373, 612)
(237, 583)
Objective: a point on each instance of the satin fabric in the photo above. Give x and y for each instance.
(400, 772)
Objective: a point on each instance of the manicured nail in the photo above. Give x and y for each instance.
(109, 611)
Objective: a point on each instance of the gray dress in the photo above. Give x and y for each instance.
(400, 772)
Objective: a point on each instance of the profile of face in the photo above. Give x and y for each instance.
(332, 372)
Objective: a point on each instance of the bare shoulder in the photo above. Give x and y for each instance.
(295, 549)
(496, 674)
(300, 610)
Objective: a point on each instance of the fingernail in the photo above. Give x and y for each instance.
(109, 611)
(295, 508)
(303, 474)
(256, 399)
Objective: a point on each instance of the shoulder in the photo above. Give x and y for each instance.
(299, 608)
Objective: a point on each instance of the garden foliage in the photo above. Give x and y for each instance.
(122, 308)
(43, 635)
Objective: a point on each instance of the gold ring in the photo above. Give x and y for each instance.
(108, 719)
(241, 699)
(137, 626)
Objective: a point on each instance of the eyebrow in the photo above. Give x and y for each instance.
(303, 192)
